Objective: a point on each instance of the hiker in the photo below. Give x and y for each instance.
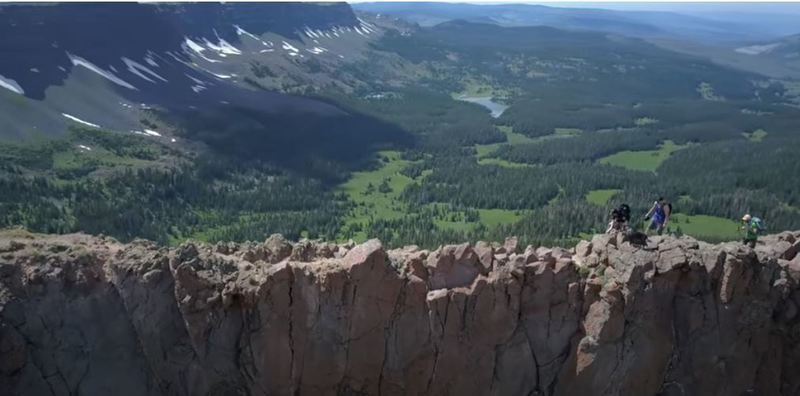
(660, 213)
(619, 219)
(752, 227)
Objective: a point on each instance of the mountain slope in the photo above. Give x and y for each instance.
(104, 64)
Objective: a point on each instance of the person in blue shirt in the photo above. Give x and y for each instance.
(659, 213)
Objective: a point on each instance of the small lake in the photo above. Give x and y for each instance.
(486, 101)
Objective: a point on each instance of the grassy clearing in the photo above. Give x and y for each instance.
(707, 92)
(483, 152)
(480, 87)
(495, 217)
(567, 132)
(646, 161)
(755, 136)
(705, 227)
(644, 121)
(76, 158)
(491, 218)
(376, 194)
(503, 163)
(600, 197)
(372, 201)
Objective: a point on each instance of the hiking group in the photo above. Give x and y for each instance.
(659, 215)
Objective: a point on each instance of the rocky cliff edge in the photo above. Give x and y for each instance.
(88, 315)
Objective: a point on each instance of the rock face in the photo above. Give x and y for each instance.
(87, 315)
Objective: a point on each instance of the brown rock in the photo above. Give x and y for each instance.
(279, 247)
(80, 314)
(453, 266)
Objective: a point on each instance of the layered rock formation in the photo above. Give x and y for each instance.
(87, 315)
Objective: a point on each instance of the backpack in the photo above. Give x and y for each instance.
(625, 212)
(758, 224)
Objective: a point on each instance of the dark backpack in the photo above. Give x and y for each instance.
(625, 212)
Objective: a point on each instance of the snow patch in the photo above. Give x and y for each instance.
(194, 46)
(84, 147)
(80, 121)
(196, 81)
(34, 70)
(757, 49)
(317, 50)
(197, 88)
(151, 132)
(150, 61)
(173, 140)
(241, 31)
(11, 85)
(266, 50)
(78, 61)
(198, 49)
(137, 69)
(289, 47)
(222, 47)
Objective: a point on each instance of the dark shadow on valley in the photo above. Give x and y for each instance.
(323, 146)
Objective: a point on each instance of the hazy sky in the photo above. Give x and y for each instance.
(687, 7)
(704, 7)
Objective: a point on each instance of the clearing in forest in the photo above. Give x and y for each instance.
(755, 136)
(711, 228)
(600, 197)
(484, 152)
(646, 161)
(376, 193)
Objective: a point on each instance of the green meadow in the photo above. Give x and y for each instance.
(645, 161)
(601, 197)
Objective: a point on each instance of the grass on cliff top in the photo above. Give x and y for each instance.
(645, 161)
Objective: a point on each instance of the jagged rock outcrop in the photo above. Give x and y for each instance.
(88, 315)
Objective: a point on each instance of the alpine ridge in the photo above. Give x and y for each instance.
(88, 315)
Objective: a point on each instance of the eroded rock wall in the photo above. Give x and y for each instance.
(87, 315)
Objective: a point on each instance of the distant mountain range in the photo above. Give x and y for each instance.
(705, 26)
